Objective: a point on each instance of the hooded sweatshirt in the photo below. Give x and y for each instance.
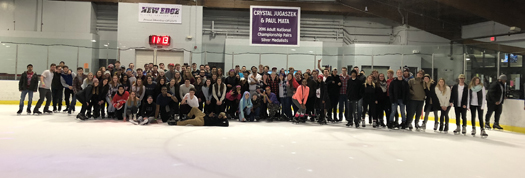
(245, 103)
(417, 92)
(120, 99)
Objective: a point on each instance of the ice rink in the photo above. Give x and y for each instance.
(61, 146)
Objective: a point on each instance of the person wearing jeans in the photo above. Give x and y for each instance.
(398, 93)
(417, 100)
(67, 83)
(333, 85)
(27, 85)
(45, 90)
(354, 94)
(343, 97)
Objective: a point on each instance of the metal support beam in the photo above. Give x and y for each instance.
(505, 12)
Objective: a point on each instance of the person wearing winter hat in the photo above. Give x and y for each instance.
(407, 75)
(495, 99)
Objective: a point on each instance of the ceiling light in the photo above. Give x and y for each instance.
(93, 41)
(468, 59)
(106, 45)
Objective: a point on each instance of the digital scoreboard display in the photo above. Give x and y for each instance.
(159, 40)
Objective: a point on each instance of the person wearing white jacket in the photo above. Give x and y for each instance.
(476, 103)
(443, 95)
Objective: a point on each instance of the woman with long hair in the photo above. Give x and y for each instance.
(139, 89)
(291, 86)
(476, 103)
(299, 99)
(370, 99)
(178, 78)
(207, 92)
(88, 97)
(124, 81)
(430, 101)
(443, 95)
(113, 88)
(88, 80)
(99, 75)
(219, 94)
(104, 89)
(132, 108)
(383, 101)
(189, 76)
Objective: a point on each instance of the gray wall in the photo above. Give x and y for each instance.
(134, 34)
(64, 22)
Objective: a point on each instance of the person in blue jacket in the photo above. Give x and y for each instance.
(245, 106)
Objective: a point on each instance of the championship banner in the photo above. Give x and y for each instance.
(160, 13)
(275, 26)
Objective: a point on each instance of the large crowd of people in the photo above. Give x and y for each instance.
(206, 96)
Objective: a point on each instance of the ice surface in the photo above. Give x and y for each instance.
(60, 146)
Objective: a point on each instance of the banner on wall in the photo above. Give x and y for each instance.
(275, 26)
(160, 13)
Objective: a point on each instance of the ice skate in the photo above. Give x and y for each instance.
(374, 124)
(19, 112)
(48, 111)
(473, 133)
(484, 134)
(37, 113)
(497, 127)
(436, 125)
(487, 126)
(456, 132)
(464, 130)
(424, 126)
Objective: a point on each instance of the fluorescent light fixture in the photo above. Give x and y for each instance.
(7, 46)
(468, 59)
(311, 52)
(106, 45)
(94, 41)
(293, 49)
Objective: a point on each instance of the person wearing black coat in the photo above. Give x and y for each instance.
(323, 103)
(495, 99)
(398, 92)
(383, 101)
(459, 98)
(354, 92)
(431, 101)
(27, 85)
(57, 90)
(312, 99)
(231, 81)
(104, 89)
(370, 99)
(88, 97)
(333, 86)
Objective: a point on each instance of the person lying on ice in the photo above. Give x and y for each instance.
(198, 118)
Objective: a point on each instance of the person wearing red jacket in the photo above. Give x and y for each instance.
(232, 101)
(119, 100)
(299, 99)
